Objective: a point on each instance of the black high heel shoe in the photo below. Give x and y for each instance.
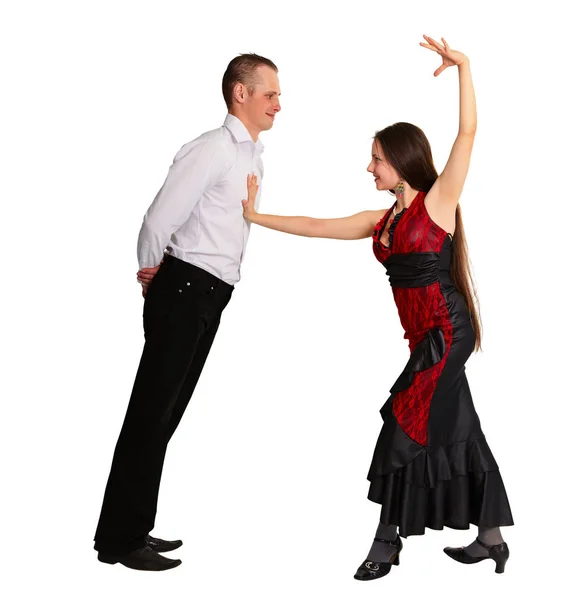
(370, 569)
(499, 553)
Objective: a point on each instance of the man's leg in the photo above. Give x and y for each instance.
(193, 376)
(173, 328)
(176, 411)
(217, 298)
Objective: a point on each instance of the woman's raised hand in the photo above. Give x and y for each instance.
(450, 57)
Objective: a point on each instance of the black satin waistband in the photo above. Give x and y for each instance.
(418, 269)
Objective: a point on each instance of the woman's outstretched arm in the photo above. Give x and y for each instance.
(355, 227)
(450, 183)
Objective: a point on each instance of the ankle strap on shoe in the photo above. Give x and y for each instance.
(486, 545)
(390, 542)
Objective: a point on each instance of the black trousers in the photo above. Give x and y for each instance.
(182, 311)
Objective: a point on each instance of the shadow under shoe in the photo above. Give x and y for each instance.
(498, 553)
(370, 569)
(142, 559)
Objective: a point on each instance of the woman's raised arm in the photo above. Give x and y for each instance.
(448, 187)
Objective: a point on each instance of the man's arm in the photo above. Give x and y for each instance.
(196, 167)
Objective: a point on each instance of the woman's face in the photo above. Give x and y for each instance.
(385, 176)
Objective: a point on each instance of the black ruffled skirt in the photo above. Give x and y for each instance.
(454, 481)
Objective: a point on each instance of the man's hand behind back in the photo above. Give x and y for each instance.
(145, 277)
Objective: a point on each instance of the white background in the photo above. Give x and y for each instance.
(265, 480)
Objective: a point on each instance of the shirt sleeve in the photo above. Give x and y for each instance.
(197, 167)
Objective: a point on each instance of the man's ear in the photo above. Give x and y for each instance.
(239, 92)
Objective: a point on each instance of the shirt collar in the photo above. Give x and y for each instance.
(240, 132)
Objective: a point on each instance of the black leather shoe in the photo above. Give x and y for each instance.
(370, 570)
(499, 553)
(159, 545)
(143, 559)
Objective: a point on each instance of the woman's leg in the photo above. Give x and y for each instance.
(489, 537)
(380, 551)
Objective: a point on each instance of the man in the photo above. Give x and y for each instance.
(197, 216)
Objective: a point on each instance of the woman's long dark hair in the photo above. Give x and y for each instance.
(407, 149)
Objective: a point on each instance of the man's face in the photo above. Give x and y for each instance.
(261, 107)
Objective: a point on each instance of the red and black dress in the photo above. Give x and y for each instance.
(432, 466)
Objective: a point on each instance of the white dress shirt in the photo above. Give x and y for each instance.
(197, 214)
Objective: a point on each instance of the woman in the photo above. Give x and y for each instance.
(432, 466)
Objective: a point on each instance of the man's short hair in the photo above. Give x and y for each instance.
(242, 69)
